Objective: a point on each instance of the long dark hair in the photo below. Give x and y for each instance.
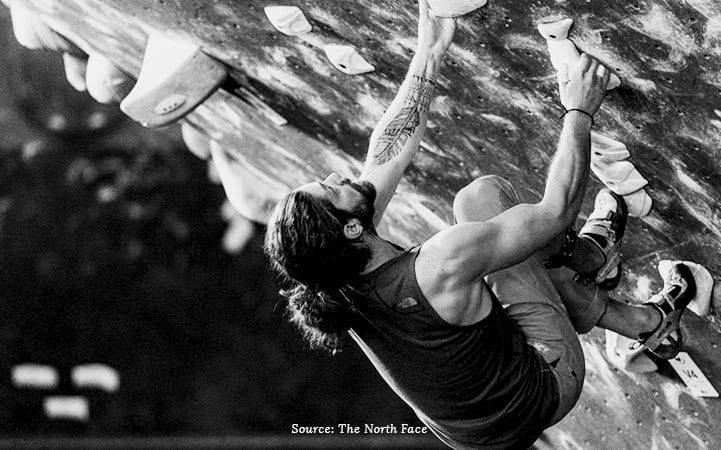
(306, 245)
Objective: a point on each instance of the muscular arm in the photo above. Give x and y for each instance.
(396, 138)
(468, 251)
(475, 249)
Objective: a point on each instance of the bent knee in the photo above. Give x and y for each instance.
(483, 199)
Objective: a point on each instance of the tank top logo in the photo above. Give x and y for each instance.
(408, 304)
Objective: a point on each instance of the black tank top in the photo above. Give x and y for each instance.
(475, 386)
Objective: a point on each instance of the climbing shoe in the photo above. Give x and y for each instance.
(679, 288)
(595, 252)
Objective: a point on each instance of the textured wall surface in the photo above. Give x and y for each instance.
(496, 112)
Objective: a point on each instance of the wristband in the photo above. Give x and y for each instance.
(566, 111)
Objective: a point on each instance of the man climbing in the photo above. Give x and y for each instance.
(469, 328)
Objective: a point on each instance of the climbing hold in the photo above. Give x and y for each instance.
(97, 376)
(607, 149)
(621, 177)
(105, 82)
(33, 33)
(196, 142)
(288, 20)
(36, 376)
(563, 52)
(66, 407)
(346, 59)
(248, 191)
(175, 77)
(454, 8)
(701, 303)
(627, 354)
(75, 70)
(639, 203)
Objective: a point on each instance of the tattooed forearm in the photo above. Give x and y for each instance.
(400, 129)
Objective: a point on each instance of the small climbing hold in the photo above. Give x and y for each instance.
(288, 20)
(105, 82)
(563, 52)
(454, 8)
(627, 354)
(196, 142)
(607, 149)
(175, 77)
(75, 70)
(346, 59)
(639, 203)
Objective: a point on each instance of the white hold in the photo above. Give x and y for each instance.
(96, 376)
(288, 20)
(701, 303)
(627, 354)
(612, 173)
(346, 59)
(251, 196)
(607, 149)
(104, 80)
(454, 8)
(639, 203)
(175, 77)
(196, 142)
(67, 408)
(563, 52)
(621, 177)
(75, 70)
(35, 376)
(32, 32)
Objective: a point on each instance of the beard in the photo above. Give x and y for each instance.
(365, 210)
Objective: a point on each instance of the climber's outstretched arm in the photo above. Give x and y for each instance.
(397, 136)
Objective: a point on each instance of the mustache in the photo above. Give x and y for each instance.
(365, 188)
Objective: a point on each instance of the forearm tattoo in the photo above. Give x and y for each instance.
(406, 122)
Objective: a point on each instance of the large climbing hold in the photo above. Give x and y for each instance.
(563, 52)
(288, 20)
(454, 8)
(175, 77)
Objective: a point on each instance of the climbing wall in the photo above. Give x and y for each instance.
(289, 116)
